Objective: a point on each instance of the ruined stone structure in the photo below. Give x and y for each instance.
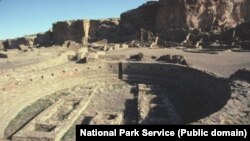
(80, 79)
(83, 92)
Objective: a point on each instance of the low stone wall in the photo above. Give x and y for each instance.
(195, 93)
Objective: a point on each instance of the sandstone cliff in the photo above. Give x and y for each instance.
(174, 19)
(181, 21)
(15, 43)
(44, 39)
(1, 45)
(134, 20)
(82, 31)
(204, 15)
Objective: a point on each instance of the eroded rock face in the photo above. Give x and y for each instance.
(204, 15)
(134, 20)
(174, 19)
(212, 16)
(68, 30)
(189, 22)
(103, 29)
(44, 39)
(81, 31)
(15, 43)
(1, 46)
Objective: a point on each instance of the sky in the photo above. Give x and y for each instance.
(24, 17)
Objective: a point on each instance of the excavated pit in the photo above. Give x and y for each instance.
(122, 93)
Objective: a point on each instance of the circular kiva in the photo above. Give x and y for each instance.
(111, 93)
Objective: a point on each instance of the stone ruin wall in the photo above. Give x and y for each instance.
(193, 85)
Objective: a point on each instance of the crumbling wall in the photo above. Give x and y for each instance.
(195, 94)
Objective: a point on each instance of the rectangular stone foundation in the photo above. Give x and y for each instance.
(54, 122)
(155, 108)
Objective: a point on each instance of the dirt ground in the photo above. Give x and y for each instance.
(223, 63)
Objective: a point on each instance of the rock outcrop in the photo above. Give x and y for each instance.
(192, 23)
(138, 21)
(242, 74)
(173, 20)
(82, 31)
(68, 30)
(44, 39)
(1, 46)
(15, 43)
(103, 29)
(2, 55)
(204, 15)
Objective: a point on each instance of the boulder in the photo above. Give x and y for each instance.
(81, 54)
(92, 57)
(242, 74)
(124, 46)
(176, 59)
(23, 48)
(71, 44)
(2, 55)
(136, 21)
(137, 57)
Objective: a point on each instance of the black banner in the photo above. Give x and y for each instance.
(169, 131)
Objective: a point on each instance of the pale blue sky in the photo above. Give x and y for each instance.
(23, 17)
